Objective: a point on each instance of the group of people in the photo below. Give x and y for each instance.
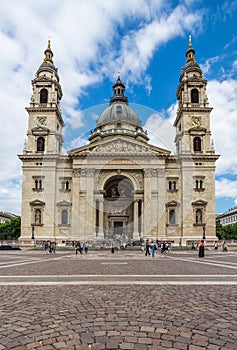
(201, 248)
(152, 246)
(49, 247)
(81, 246)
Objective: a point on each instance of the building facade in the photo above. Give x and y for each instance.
(228, 218)
(4, 216)
(118, 184)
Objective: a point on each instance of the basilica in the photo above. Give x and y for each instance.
(118, 184)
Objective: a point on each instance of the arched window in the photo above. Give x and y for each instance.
(197, 144)
(194, 96)
(172, 217)
(64, 217)
(40, 184)
(198, 216)
(63, 185)
(43, 96)
(36, 184)
(201, 184)
(38, 217)
(172, 185)
(40, 144)
(67, 185)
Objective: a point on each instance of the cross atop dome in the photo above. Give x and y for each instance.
(48, 54)
(191, 52)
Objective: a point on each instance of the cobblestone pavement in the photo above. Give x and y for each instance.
(119, 301)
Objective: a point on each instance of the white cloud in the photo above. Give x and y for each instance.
(226, 188)
(222, 96)
(88, 46)
(160, 129)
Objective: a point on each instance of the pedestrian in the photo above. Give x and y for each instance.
(53, 247)
(162, 247)
(112, 248)
(193, 246)
(216, 245)
(153, 248)
(86, 246)
(201, 249)
(50, 247)
(147, 247)
(78, 248)
(46, 247)
(224, 247)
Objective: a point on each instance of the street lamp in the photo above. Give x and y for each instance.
(33, 232)
(204, 232)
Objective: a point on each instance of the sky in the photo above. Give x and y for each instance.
(146, 40)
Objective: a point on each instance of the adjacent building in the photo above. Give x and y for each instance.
(119, 183)
(4, 216)
(228, 218)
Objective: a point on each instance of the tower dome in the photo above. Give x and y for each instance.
(48, 60)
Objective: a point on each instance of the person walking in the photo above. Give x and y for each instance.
(201, 249)
(153, 248)
(53, 247)
(147, 247)
(86, 246)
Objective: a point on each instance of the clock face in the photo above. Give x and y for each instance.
(41, 121)
(196, 121)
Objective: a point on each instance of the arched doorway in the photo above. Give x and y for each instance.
(118, 207)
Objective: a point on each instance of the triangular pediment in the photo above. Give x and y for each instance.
(40, 130)
(172, 203)
(119, 146)
(199, 203)
(64, 204)
(199, 129)
(37, 203)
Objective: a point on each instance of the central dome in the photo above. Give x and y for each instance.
(118, 118)
(118, 112)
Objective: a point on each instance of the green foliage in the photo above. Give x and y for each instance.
(11, 229)
(226, 232)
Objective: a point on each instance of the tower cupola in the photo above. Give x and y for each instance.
(119, 89)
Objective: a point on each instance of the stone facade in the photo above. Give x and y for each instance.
(118, 184)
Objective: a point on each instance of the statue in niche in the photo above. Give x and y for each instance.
(123, 192)
(113, 191)
(38, 217)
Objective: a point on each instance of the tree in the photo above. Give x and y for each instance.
(11, 229)
(226, 232)
(220, 233)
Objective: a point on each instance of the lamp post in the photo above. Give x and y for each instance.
(33, 233)
(204, 232)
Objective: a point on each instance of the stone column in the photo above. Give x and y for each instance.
(147, 203)
(101, 219)
(142, 219)
(90, 208)
(135, 220)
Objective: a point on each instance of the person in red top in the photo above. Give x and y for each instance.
(201, 249)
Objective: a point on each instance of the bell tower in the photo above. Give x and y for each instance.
(193, 116)
(195, 152)
(45, 121)
(42, 154)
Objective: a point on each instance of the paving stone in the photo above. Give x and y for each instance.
(131, 316)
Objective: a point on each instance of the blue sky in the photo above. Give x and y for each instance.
(91, 41)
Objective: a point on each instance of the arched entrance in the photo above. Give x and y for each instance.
(118, 207)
